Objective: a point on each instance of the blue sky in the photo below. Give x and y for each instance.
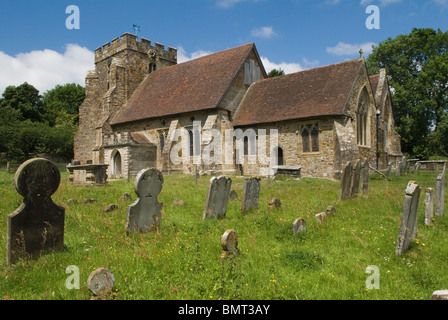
(293, 35)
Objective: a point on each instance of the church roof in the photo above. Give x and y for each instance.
(306, 94)
(194, 85)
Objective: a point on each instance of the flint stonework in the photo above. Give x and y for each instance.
(37, 226)
(217, 198)
(408, 224)
(251, 194)
(145, 213)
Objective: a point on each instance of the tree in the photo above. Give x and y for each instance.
(276, 73)
(25, 99)
(417, 66)
(62, 103)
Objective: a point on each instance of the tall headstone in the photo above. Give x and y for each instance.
(37, 226)
(398, 169)
(440, 194)
(429, 206)
(346, 182)
(408, 224)
(365, 176)
(217, 198)
(251, 194)
(356, 178)
(145, 213)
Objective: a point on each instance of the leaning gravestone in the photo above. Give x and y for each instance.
(429, 206)
(346, 182)
(229, 243)
(217, 198)
(37, 226)
(408, 224)
(356, 178)
(365, 177)
(251, 194)
(440, 194)
(145, 213)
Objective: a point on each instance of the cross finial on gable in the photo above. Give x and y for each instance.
(360, 53)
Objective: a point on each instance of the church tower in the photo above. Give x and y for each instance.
(120, 66)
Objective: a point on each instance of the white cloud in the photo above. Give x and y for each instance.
(345, 49)
(44, 69)
(287, 67)
(183, 56)
(263, 32)
(383, 3)
(231, 3)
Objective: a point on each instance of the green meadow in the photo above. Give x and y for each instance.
(181, 260)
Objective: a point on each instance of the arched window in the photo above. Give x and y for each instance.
(161, 142)
(363, 127)
(116, 164)
(279, 154)
(310, 137)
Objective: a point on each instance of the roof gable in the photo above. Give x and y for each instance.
(191, 86)
(313, 93)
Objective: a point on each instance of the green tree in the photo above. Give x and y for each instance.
(417, 66)
(25, 100)
(276, 73)
(62, 103)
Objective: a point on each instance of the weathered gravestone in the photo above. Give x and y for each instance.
(440, 194)
(365, 177)
(217, 198)
(233, 195)
(408, 224)
(145, 213)
(399, 169)
(37, 226)
(439, 295)
(251, 194)
(346, 182)
(356, 178)
(229, 243)
(321, 217)
(331, 210)
(299, 225)
(429, 206)
(274, 203)
(101, 282)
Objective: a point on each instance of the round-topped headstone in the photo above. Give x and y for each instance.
(37, 178)
(101, 281)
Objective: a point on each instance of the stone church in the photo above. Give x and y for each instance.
(138, 100)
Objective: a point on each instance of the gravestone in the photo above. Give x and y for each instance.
(331, 210)
(251, 194)
(398, 169)
(101, 282)
(126, 197)
(408, 224)
(299, 225)
(356, 178)
(217, 198)
(145, 213)
(346, 182)
(440, 194)
(389, 169)
(233, 195)
(275, 203)
(229, 243)
(439, 295)
(37, 226)
(111, 207)
(321, 217)
(429, 206)
(365, 177)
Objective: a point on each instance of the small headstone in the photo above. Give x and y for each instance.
(101, 282)
(38, 224)
(229, 243)
(72, 201)
(331, 211)
(439, 295)
(275, 203)
(408, 224)
(321, 217)
(346, 182)
(389, 169)
(217, 198)
(145, 213)
(365, 177)
(89, 200)
(299, 225)
(429, 206)
(111, 207)
(440, 194)
(126, 197)
(233, 195)
(251, 194)
(356, 178)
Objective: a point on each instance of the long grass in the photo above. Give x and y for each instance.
(181, 260)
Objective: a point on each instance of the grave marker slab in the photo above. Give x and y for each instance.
(217, 198)
(356, 178)
(101, 282)
(145, 213)
(440, 194)
(37, 226)
(365, 177)
(251, 194)
(408, 224)
(429, 206)
(346, 182)
(229, 243)
(299, 225)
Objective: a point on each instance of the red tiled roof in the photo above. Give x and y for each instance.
(195, 85)
(311, 93)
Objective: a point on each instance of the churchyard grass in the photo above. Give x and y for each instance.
(181, 260)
